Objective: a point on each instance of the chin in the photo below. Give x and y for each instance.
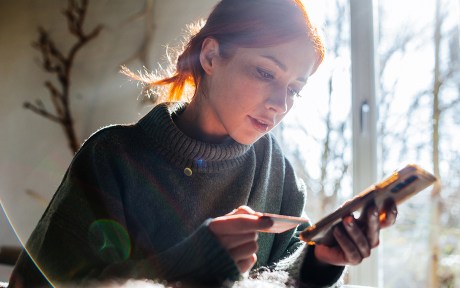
(247, 140)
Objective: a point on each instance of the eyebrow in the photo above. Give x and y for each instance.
(282, 66)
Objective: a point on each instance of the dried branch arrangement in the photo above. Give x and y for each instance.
(58, 63)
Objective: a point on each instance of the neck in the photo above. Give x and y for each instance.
(196, 122)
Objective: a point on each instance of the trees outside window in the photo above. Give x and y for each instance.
(418, 107)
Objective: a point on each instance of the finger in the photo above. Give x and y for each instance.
(243, 251)
(371, 219)
(369, 208)
(389, 214)
(232, 241)
(332, 255)
(246, 264)
(239, 224)
(245, 210)
(351, 253)
(357, 235)
(328, 239)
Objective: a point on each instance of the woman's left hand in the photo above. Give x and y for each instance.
(352, 240)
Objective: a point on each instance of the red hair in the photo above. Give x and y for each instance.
(239, 23)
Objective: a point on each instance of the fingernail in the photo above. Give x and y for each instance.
(349, 221)
(266, 220)
(375, 212)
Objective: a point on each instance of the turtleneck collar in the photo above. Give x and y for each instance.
(187, 152)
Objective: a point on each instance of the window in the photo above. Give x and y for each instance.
(418, 99)
(388, 93)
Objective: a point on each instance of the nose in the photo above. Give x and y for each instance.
(277, 101)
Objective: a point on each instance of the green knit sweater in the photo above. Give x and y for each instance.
(137, 199)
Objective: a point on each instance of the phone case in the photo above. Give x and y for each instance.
(400, 186)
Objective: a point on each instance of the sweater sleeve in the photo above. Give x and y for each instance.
(83, 234)
(295, 256)
(197, 259)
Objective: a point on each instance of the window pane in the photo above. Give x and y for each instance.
(316, 134)
(418, 122)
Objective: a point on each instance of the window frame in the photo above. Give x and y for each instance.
(363, 27)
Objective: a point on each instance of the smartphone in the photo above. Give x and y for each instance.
(400, 186)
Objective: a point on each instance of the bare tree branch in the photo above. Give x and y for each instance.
(55, 62)
(450, 104)
(43, 112)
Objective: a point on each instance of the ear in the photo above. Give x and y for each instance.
(209, 53)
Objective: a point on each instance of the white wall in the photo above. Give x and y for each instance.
(34, 153)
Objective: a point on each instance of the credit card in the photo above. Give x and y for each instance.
(283, 223)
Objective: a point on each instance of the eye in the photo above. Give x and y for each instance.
(293, 92)
(264, 74)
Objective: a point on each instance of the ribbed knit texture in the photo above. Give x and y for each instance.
(184, 151)
(137, 199)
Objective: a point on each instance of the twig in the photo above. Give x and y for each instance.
(56, 62)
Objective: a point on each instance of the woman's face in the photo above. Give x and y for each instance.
(250, 93)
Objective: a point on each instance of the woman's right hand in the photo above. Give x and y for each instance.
(237, 232)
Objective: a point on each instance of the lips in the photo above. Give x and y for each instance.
(261, 125)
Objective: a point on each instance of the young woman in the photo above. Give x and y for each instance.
(178, 195)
